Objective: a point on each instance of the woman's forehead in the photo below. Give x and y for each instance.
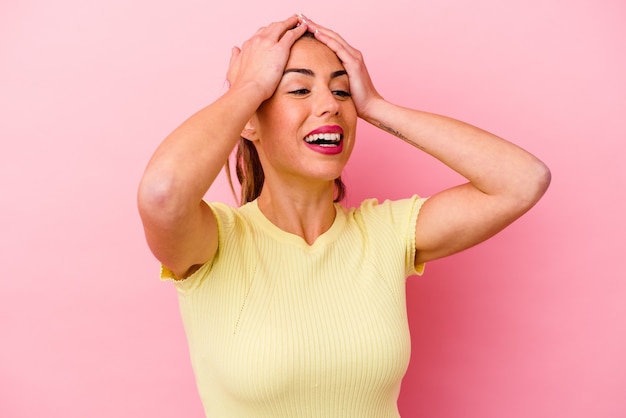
(307, 52)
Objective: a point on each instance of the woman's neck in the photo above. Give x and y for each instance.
(305, 212)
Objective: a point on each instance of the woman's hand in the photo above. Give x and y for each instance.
(364, 95)
(261, 60)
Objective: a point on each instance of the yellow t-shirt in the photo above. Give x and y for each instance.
(280, 328)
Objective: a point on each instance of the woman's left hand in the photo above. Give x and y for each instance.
(362, 90)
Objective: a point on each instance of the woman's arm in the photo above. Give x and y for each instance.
(180, 228)
(504, 180)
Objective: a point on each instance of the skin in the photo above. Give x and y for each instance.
(299, 182)
(504, 181)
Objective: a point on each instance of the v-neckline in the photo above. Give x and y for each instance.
(324, 239)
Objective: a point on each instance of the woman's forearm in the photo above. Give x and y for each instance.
(493, 165)
(187, 162)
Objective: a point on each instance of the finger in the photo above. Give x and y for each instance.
(278, 29)
(340, 47)
(233, 55)
(292, 35)
(325, 35)
(313, 26)
(233, 64)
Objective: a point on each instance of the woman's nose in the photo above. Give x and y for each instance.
(327, 103)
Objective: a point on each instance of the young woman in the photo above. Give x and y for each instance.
(293, 305)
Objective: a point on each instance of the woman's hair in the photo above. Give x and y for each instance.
(250, 173)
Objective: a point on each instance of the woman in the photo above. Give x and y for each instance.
(293, 305)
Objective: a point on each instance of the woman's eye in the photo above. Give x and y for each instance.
(342, 93)
(299, 92)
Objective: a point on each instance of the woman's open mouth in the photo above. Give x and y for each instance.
(326, 140)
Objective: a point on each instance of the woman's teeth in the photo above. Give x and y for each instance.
(323, 138)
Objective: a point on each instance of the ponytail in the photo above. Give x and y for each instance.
(251, 177)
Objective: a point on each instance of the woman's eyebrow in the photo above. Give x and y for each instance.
(304, 71)
(310, 73)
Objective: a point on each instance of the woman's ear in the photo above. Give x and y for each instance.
(249, 131)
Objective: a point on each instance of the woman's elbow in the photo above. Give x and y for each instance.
(157, 198)
(537, 180)
(542, 179)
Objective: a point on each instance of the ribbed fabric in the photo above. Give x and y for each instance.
(280, 328)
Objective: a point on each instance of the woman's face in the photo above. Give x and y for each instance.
(307, 128)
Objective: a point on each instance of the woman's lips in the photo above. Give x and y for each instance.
(326, 149)
(327, 129)
(327, 140)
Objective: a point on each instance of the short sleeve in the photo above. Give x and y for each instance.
(397, 217)
(413, 268)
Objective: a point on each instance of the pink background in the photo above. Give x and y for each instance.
(529, 324)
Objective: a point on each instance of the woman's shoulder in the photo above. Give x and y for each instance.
(373, 207)
(228, 213)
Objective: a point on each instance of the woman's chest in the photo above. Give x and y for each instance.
(282, 333)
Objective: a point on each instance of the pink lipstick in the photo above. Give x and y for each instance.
(326, 140)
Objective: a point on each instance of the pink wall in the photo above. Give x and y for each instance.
(530, 324)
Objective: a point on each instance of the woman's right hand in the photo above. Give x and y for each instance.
(261, 60)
